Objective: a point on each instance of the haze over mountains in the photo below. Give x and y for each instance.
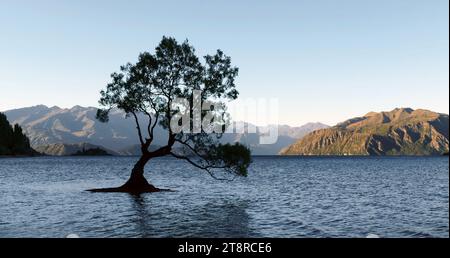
(402, 131)
(58, 131)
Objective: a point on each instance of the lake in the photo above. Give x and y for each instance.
(281, 197)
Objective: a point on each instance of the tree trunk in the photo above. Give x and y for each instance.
(137, 183)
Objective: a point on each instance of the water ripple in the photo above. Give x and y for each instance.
(282, 197)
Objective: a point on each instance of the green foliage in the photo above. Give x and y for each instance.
(102, 115)
(12, 139)
(151, 85)
(174, 71)
(236, 157)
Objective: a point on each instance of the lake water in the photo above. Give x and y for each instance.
(281, 197)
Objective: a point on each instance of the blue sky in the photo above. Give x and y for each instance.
(325, 60)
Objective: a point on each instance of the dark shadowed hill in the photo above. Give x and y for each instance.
(12, 139)
(92, 152)
(402, 131)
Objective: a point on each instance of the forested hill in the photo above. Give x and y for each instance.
(12, 139)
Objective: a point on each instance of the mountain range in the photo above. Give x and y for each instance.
(402, 131)
(64, 131)
(65, 149)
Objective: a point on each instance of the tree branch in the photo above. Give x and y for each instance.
(206, 168)
(191, 148)
(149, 122)
(138, 127)
(154, 125)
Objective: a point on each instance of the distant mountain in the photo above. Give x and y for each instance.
(286, 136)
(12, 139)
(65, 149)
(402, 131)
(300, 131)
(46, 126)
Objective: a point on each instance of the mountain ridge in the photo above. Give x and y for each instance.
(402, 131)
(54, 125)
(65, 149)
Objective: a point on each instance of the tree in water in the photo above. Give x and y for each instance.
(152, 88)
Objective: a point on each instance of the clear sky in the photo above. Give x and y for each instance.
(325, 60)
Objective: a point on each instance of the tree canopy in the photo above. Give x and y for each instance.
(154, 85)
(12, 140)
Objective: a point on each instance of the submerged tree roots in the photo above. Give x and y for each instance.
(135, 185)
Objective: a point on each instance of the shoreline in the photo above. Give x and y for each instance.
(256, 156)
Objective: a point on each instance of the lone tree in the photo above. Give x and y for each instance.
(151, 88)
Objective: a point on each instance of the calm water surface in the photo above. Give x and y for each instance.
(282, 197)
